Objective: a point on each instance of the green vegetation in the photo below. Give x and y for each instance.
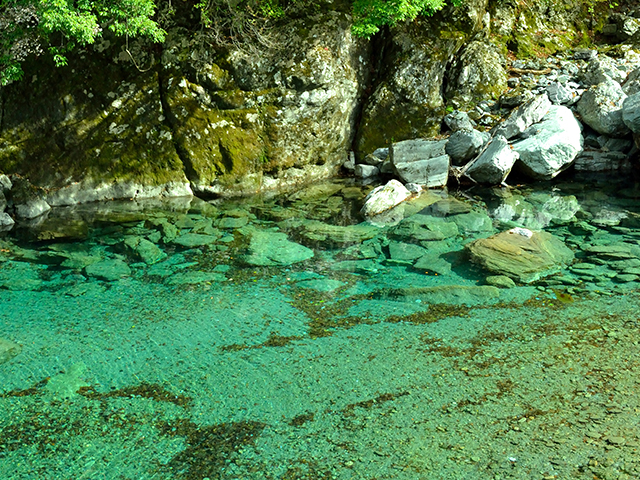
(56, 27)
(35, 27)
(370, 15)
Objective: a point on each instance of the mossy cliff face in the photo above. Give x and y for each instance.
(246, 120)
(236, 121)
(96, 127)
(222, 122)
(530, 29)
(408, 99)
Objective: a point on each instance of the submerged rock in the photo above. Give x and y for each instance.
(8, 350)
(109, 270)
(145, 250)
(270, 248)
(521, 254)
(447, 294)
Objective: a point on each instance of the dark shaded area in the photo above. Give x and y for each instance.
(208, 447)
(151, 391)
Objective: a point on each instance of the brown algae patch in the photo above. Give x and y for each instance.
(209, 447)
(150, 391)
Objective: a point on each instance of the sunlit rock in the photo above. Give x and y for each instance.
(521, 254)
(384, 197)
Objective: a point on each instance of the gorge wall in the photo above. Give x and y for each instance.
(189, 118)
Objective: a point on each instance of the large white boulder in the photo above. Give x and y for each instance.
(384, 197)
(550, 146)
(601, 108)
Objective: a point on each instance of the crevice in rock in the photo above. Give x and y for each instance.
(379, 46)
(170, 121)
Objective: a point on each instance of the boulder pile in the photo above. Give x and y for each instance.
(581, 112)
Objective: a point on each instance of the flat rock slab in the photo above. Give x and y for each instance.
(109, 270)
(521, 254)
(267, 248)
(191, 240)
(448, 294)
(320, 231)
(8, 350)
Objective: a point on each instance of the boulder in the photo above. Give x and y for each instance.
(366, 171)
(272, 248)
(631, 112)
(632, 84)
(602, 69)
(600, 161)
(457, 121)
(5, 183)
(8, 350)
(463, 145)
(601, 108)
(550, 146)
(384, 197)
(27, 199)
(477, 73)
(525, 115)
(494, 163)
(521, 254)
(6, 222)
(560, 93)
(421, 161)
(109, 270)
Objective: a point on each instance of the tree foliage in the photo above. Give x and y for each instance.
(55, 27)
(370, 15)
(36, 27)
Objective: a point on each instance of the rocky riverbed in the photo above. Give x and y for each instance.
(286, 338)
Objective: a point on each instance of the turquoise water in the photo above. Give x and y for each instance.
(286, 339)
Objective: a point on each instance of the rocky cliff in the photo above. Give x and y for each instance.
(188, 117)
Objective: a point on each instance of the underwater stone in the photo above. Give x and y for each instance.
(473, 222)
(315, 230)
(321, 285)
(147, 251)
(447, 294)
(500, 281)
(194, 278)
(109, 270)
(191, 240)
(405, 251)
(433, 263)
(356, 266)
(521, 254)
(8, 350)
(232, 222)
(268, 248)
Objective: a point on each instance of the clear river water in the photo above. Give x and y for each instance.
(287, 338)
